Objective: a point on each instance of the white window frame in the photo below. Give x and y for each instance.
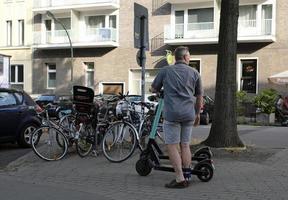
(51, 71)
(198, 59)
(86, 73)
(9, 33)
(101, 86)
(16, 82)
(21, 32)
(239, 72)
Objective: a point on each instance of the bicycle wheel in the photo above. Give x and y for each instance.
(67, 126)
(119, 141)
(51, 144)
(85, 141)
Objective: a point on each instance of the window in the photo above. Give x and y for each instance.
(16, 74)
(200, 19)
(48, 24)
(112, 21)
(65, 21)
(21, 32)
(96, 21)
(267, 19)
(247, 16)
(9, 33)
(179, 24)
(195, 64)
(89, 77)
(51, 76)
(248, 72)
(7, 99)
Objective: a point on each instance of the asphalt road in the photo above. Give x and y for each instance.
(10, 152)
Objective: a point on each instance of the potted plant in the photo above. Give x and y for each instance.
(265, 103)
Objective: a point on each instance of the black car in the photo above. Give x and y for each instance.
(207, 110)
(44, 99)
(18, 117)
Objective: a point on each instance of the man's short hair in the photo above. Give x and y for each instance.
(180, 52)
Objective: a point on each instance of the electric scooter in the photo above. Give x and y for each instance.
(151, 157)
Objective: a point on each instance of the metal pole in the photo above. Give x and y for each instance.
(70, 42)
(142, 57)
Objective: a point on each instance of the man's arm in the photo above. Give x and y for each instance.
(198, 105)
(199, 101)
(158, 82)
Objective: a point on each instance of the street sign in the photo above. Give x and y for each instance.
(141, 41)
(141, 16)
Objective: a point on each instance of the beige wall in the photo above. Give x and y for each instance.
(113, 64)
(18, 10)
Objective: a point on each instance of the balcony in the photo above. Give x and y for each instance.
(41, 6)
(206, 33)
(93, 37)
(188, 1)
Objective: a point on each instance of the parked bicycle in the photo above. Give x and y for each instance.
(122, 137)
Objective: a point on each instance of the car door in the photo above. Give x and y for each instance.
(10, 114)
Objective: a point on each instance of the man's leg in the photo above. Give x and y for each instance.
(176, 161)
(186, 155)
(186, 132)
(172, 139)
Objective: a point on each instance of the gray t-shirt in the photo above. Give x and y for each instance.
(182, 84)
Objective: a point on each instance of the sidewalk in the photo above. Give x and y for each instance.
(235, 178)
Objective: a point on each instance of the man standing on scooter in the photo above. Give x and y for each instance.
(182, 103)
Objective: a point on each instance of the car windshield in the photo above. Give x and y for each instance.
(46, 98)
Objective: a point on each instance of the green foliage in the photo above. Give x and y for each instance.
(265, 100)
(242, 99)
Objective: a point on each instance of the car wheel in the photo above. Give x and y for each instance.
(206, 119)
(24, 139)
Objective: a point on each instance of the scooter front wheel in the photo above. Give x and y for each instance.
(143, 167)
(206, 171)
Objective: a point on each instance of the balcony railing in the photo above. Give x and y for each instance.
(200, 26)
(267, 26)
(57, 37)
(207, 30)
(179, 30)
(247, 23)
(57, 3)
(99, 35)
(92, 35)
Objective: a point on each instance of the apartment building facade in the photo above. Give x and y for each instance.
(262, 40)
(15, 41)
(101, 33)
(104, 57)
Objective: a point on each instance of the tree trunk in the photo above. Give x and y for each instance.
(223, 132)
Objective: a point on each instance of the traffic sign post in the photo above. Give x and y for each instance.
(141, 41)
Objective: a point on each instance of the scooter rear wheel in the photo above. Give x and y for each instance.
(143, 167)
(207, 172)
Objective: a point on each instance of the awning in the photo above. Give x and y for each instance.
(280, 79)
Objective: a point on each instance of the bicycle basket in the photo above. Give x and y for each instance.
(122, 109)
(83, 99)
